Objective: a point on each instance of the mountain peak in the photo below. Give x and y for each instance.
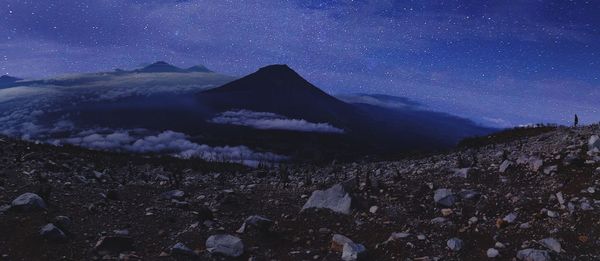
(160, 66)
(277, 68)
(198, 68)
(9, 79)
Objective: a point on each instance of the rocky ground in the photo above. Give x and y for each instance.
(530, 198)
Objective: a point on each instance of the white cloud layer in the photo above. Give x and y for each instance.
(167, 142)
(272, 121)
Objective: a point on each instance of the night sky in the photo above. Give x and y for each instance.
(500, 63)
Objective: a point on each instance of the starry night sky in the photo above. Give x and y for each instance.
(499, 62)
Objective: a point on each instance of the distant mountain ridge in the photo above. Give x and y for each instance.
(6, 80)
(162, 66)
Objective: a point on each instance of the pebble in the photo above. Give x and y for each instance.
(455, 244)
(492, 252)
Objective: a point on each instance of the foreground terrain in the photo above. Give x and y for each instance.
(535, 197)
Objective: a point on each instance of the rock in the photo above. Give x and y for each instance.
(552, 244)
(373, 209)
(63, 222)
(352, 251)
(444, 197)
(4, 208)
(113, 244)
(504, 166)
(550, 169)
(446, 212)
(533, 255)
(227, 245)
(261, 224)
(594, 143)
(462, 173)
(552, 214)
(334, 198)
(182, 249)
(492, 252)
(468, 194)
(525, 225)
(510, 218)
(173, 194)
(397, 235)
(455, 244)
(535, 164)
(338, 241)
(51, 232)
(28, 202)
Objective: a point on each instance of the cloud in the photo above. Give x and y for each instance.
(386, 101)
(167, 142)
(271, 121)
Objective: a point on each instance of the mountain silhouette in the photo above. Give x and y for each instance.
(160, 66)
(8, 81)
(278, 89)
(198, 68)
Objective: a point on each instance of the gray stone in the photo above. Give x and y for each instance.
(510, 218)
(353, 251)
(552, 244)
(338, 241)
(444, 197)
(462, 173)
(455, 244)
(492, 252)
(259, 223)
(227, 245)
(63, 222)
(530, 254)
(28, 202)
(182, 249)
(173, 194)
(334, 198)
(51, 232)
(504, 166)
(535, 164)
(594, 142)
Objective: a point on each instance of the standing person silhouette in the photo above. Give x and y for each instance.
(575, 121)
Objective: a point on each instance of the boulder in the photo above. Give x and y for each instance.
(63, 222)
(334, 198)
(444, 197)
(226, 245)
(530, 254)
(28, 202)
(352, 251)
(51, 232)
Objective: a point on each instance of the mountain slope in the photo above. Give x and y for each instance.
(538, 194)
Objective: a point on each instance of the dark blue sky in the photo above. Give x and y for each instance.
(498, 62)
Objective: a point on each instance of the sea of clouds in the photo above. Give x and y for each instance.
(272, 121)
